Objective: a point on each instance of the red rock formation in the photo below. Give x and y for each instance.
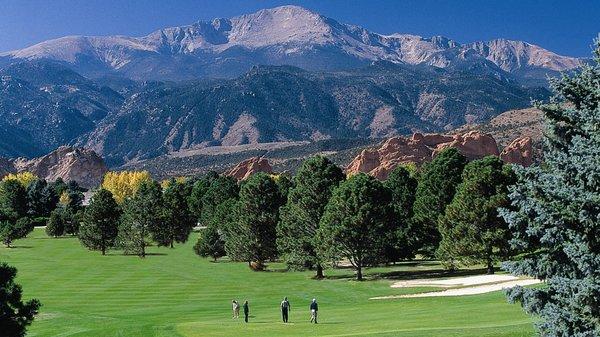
(394, 151)
(379, 162)
(519, 151)
(248, 167)
(81, 165)
(472, 145)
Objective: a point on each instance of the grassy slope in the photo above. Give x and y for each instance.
(175, 293)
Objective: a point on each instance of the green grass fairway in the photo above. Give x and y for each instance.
(175, 293)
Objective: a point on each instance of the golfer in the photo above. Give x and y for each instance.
(246, 311)
(314, 308)
(236, 308)
(285, 308)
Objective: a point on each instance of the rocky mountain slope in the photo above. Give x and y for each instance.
(81, 165)
(289, 35)
(512, 124)
(275, 104)
(44, 105)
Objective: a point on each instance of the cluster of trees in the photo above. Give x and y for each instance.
(27, 201)
(446, 209)
(146, 214)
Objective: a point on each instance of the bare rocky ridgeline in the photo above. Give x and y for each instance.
(420, 148)
(81, 165)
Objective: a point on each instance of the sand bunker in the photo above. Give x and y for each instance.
(471, 285)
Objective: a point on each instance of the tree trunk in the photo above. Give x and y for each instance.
(103, 250)
(359, 276)
(319, 271)
(171, 243)
(490, 262)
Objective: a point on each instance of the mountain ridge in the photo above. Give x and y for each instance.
(227, 47)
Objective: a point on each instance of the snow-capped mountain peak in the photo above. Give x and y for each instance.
(282, 35)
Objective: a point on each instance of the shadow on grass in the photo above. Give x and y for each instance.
(404, 275)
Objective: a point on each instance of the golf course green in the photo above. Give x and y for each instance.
(173, 292)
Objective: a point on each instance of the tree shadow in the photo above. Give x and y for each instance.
(404, 275)
(18, 247)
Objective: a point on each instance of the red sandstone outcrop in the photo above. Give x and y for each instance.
(81, 165)
(248, 167)
(519, 151)
(392, 152)
(419, 148)
(472, 145)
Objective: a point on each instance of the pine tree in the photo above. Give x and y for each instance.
(357, 222)
(143, 217)
(436, 188)
(178, 219)
(210, 243)
(98, 229)
(41, 198)
(199, 188)
(13, 199)
(15, 315)
(301, 215)
(472, 232)
(257, 217)
(557, 216)
(55, 226)
(14, 229)
(400, 244)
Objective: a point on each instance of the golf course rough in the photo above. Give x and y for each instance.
(173, 292)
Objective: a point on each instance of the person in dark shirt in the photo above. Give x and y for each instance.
(285, 308)
(246, 311)
(314, 308)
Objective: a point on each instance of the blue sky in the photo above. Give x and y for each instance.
(566, 27)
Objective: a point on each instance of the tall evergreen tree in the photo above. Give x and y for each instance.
(402, 185)
(55, 226)
(210, 243)
(178, 219)
(13, 199)
(99, 226)
(556, 220)
(357, 222)
(257, 217)
(15, 315)
(143, 217)
(219, 189)
(12, 229)
(41, 198)
(472, 232)
(436, 188)
(201, 185)
(300, 217)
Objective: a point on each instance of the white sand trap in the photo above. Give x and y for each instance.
(455, 282)
(471, 285)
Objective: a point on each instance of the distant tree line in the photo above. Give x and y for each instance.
(446, 209)
(27, 201)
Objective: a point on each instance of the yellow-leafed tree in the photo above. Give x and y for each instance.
(124, 184)
(25, 178)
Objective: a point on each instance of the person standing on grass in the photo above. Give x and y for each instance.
(314, 308)
(236, 308)
(246, 311)
(285, 308)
